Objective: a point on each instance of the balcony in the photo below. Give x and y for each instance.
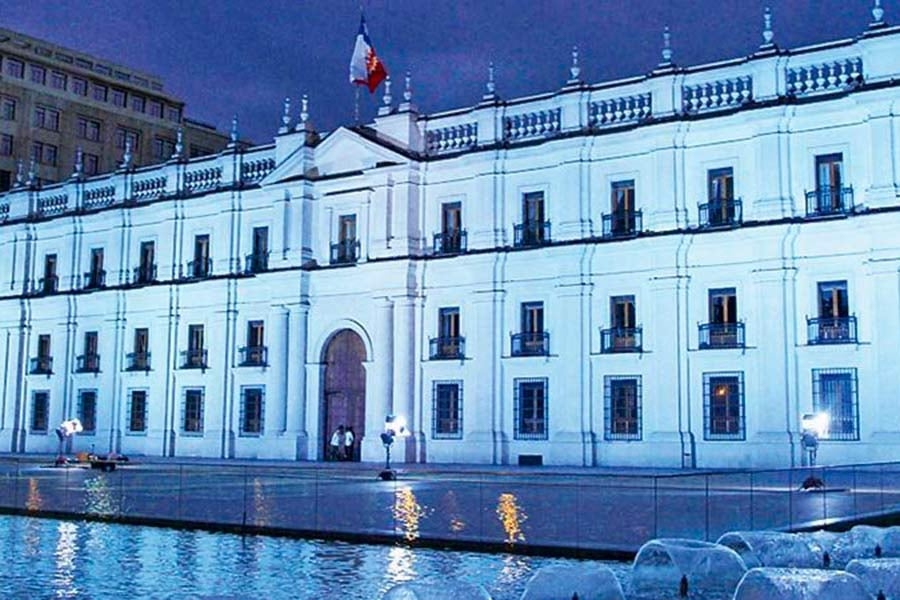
(829, 201)
(258, 262)
(721, 212)
(194, 359)
(345, 252)
(443, 348)
(137, 361)
(831, 330)
(721, 335)
(450, 242)
(94, 280)
(199, 268)
(145, 274)
(254, 356)
(42, 365)
(87, 363)
(621, 339)
(530, 343)
(48, 285)
(531, 234)
(622, 223)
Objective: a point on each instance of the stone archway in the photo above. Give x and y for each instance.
(344, 389)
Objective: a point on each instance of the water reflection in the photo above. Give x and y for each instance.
(408, 512)
(64, 576)
(515, 568)
(401, 564)
(450, 507)
(34, 501)
(99, 499)
(261, 504)
(511, 517)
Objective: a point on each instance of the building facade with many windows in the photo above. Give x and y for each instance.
(668, 270)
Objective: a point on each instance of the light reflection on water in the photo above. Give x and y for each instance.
(44, 558)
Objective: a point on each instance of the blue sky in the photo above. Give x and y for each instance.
(224, 57)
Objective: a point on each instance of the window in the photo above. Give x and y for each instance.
(196, 353)
(154, 107)
(532, 317)
(451, 240)
(251, 411)
(43, 348)
(258, 261)
(833, 299)
(530, 405)
(623, 217)
(347, 228)
(721, 184)
(622, 396)
(623, 335)
(124, 135)
(7, 108)
(80, 86)
(831, 196)
(532, 339)
(721, 207)
(87, 410)
(723, 406)
(146, 271)
(6, 145)
(192, 411)
(45, 154)
(48, 283)
(88, 129)
(622, 200)
(723, 329)
(163, 148)
(46, 118)
(344, 251)
(58, 80)
(15, 68)
(446, 410)
(118, 98)
(91, 163)
(834, 324)
(201, 266)
(137, 411)
(96, 275)
(449, 343)
(89, 362)
(534, 229)
(98, 92)
(37, 74)
(139, 360)
(173, 113)
(43, 364)
(835, 393)
(40, 412)
(621, 310)
(254, 354)
(138, 103)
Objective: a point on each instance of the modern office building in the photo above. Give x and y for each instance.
(54, 100)
(667, 270)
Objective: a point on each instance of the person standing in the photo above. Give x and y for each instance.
(348, 444)
(337, 443)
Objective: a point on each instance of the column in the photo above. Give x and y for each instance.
(379, 381)
(294, 349)
(404, 373)
(482, 397)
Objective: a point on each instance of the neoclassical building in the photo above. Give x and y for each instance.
(668, 270)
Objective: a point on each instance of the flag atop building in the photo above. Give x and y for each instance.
(365, 66)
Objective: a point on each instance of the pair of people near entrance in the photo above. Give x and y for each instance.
(341, 444)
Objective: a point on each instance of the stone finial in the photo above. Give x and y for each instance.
(574, 70)
(126, 158)
(304, 109)
(32, 173)
(78, 172)
(233, 136)
(667, 47)
(20, 173)
(407, 88)
(877, 13)
(285, 117)
(179, 143)
(767, 34)
(387, 98)
(490, 85)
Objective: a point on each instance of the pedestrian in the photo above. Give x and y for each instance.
(337, 443)
(348, 444)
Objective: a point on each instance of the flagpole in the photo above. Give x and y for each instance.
(356, 107)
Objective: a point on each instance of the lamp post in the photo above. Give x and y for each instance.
(394, 425)
(815, 426)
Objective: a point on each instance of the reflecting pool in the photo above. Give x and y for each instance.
(45, 558)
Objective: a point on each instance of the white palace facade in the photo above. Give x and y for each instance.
(668, 270)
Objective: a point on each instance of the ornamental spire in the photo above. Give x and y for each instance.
(78, 172)
(407, 89)
(20, 173)
(32, 173)
(667, 47)
(877, 14)
(233, 136)
(490, 86)
(767, 34)
(574, 70)
(179, 144)
(126, 158)
(285, 117)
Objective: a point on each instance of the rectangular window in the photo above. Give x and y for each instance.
(723, 406)
(255, 334)
(192, 412)
(195, 337)
(622, 200)
(446, 411)
(830, 171)
(260, 241)
(137, 411)
(451, 218)
(148, 251)
(124, 136)
(530, 405)
(117, 97)
(532, 317)
(45, 154)
(347, 228)
(15, 68)
(173, 113)
(80, 86)
(7, 108)
(448, 322)
(58, 80)
(163, 148)
(37, 74)
(43, 347)
(40, 412)
(154, 108)
(252, 411)
(6, 145)
(622, 397)
(720, 184)
(98, 92)
(87, 410)
(201, 265)
(140, 358)
(833, 300)
(88, 129)
(91, 163)
(533, 207)
(622, 312)
(138, 103)
(723, 305)
(46, 118)
(835, 392)
(49, 283)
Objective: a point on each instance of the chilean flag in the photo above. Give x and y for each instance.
(365, 66)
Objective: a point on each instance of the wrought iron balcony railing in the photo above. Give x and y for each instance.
(137, 361)
(254, 356)
(145, 274)
(87, 363)
(441, 348)
(721, 212)
(622, 223)
(345, 252)
(831, 330)
(257, 262)
(94, 280)
(450, 242)
(531, 234)
(621, 339)
(194, 359)
(48, 285)
(530, 343)
(42, 365)
(199, 268)
(721, 335)
(828, 201)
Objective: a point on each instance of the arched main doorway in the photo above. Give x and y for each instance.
(344, 389)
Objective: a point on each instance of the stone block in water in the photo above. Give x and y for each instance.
(436, 590)
(859, 542)
(558, 582)
(878, 575)
(771, 549)
(709, 569)
(766, 583)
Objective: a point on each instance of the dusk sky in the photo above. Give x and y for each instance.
(244, 57)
